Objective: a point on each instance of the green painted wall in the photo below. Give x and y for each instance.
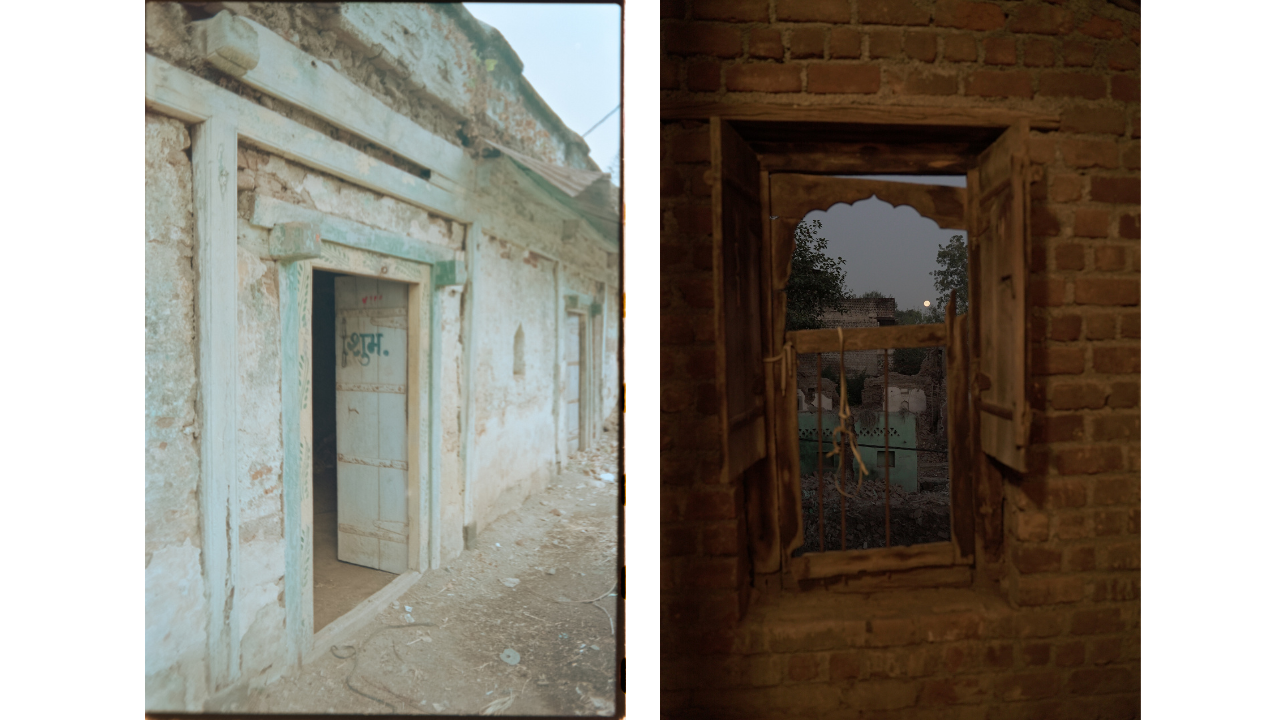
(902, 434)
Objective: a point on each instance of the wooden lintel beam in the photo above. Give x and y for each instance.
(851, 562)
(857, 114)
(867, 158)
(892, 336)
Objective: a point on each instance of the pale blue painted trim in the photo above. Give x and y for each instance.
(296, 616)
(436, 441)
(269, 212)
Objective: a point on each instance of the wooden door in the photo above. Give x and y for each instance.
(372, 380)
(999, 257)
(573, 379)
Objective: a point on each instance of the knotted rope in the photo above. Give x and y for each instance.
(843, 428)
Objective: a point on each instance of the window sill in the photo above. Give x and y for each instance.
(812, 566)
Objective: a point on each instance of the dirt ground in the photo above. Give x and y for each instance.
(468, 639)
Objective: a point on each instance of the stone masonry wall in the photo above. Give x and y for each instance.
(1049, 629)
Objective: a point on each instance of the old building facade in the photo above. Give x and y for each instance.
(1036, 612)
(382, 281)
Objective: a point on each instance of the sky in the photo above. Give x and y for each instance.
(889, 249)
(572, 55)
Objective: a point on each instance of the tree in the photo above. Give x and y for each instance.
(952, 274)
(817, 280)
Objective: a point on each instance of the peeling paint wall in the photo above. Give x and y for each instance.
(515, 444)
(175, 603)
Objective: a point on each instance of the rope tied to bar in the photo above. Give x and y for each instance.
(844, 429)
(787, 356)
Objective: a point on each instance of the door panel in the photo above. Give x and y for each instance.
(372, 378)
(573, 379)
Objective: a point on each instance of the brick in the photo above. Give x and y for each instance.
(1041, 149)
(1059, 428)
(1117, 360)
(711, 573)
(1039, 624)
(999, 655)
(1100, 326)
(1135, 521)
(968, 15)
(1089, 460)
(1072, 84)
(832, 11)
(1038, 52)
(1104, 651)
(1044, 222)
(845, 42)
(1126, 89)
(1097, 621)
(1031, 526)
(922, 46)
(1036, 653)
(884, 43)
(994, 83)
(1107, 523)
(1131, 326)
(803, 666)
(1102, 28)
(1130, 227)
(763, 77)
(1079, 559)
(881, 694)
(1040, 19)
(1110, 589)
(931, 82)
(669, 74)
(1057, 360)
(704, 39)
(1076, 53)
(1048, 292)
(1070, 654)
(950, 627)
(1127, 556)
(1108, 291)
(1125, 190)
(955, 691)
(1077, 396)
(1027, 686)
(915, 661)
(720, 540)
(815, 636)
(1093, 120)
(960, 48)
(1000, 51)
(1115, 427)
(845, 666)
(703, 76)
(1136, 119)
(1071, 255)
(1108, 258)
(692, 147)
(1065, 493)
(807, 42)
(1082, 153)
(671, 9)
(1065, 188)
(765, 43)
(731, 10)
(844, 79)
(1036, 591)
(1030, 559)
(1131, 155)
(1071, 527)
(1092, 222)
(891, 12)
(1122, 56)
(891, 632)
(1065, 328)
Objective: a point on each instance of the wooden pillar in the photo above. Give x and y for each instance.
(213, 152)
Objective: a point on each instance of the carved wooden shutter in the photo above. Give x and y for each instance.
(737, 232)
(999, 258)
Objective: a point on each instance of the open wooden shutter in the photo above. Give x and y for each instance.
(999, 258)
(737, 232)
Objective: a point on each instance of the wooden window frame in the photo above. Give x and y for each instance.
(771, 489)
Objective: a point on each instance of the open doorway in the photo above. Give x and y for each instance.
(359, 380)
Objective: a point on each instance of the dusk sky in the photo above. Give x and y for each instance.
(885, 248)
(572, 55)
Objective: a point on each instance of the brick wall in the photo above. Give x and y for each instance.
(1050, 628)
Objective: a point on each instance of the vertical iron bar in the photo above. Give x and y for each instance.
(822, 540)
(886, 447)
(844, 466)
